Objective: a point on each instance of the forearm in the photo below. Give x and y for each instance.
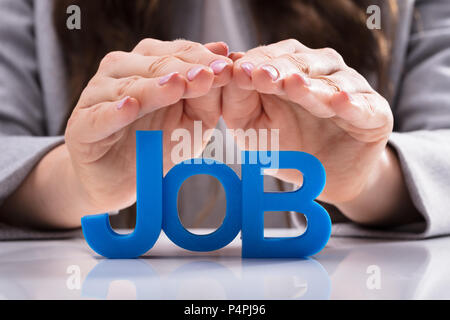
(50, 197)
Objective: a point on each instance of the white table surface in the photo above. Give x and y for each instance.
(348, 268)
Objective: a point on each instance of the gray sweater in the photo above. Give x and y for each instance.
(33, 95)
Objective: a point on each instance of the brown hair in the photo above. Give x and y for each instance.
(109, 25)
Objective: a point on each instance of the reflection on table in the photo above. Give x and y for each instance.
(346, 269)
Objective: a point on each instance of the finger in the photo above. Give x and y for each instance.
(206, 108)
(240, 102)
(220, 48)
(236, 55)
(243, 71)
(310, 64)
(201, 78)
(123, 64)
(214, 56)
(239, 106)
(287, 46)
(362, 110)
(331, 71)
(267, 79)
(323, 64)
(188, 51)
(315, 94)
(223, 68)
(89, 125)
(155, 47)
(151, 93)
(244, 67)
(313, 98)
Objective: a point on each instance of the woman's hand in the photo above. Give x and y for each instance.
(158, 86)
(321, 106)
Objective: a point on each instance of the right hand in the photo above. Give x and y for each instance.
(158, 86)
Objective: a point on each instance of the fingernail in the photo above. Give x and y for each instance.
(122, 102)
(218, 66)
(193, 73)
(248, 68)
(273, 73)
(166, 78)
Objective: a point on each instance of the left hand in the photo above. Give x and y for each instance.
(320, 105)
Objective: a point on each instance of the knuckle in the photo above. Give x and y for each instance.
(354, 78)
(123, 87)
(191, 52)
(329, 52)
(332, 54)
(264, 52)
(291, 43)
(299, 62)
(332, 83)
(353, 73)
(145, 45)
(185, 46)
(111, 58)
(160, 64)
(254, 50)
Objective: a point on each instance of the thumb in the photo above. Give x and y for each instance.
(240, 102)
(239, 106)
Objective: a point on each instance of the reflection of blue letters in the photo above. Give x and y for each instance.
(301, 279)
(246, 203)
(215, 273)
(98, 281)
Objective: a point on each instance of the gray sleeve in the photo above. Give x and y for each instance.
(422, 113)
(23, 140)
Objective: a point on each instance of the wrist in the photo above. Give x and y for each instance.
(80, 198)
(67, 201)
(55, 185)
(367, 207)
(384, 200)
